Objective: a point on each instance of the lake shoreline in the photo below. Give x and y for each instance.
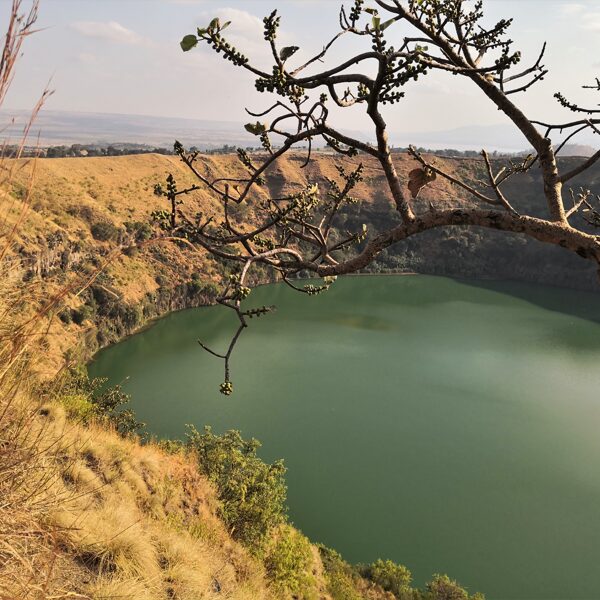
(473, 281)
(388, 399)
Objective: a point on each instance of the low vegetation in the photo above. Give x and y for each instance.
(113, 516)
(252, 493)
(95, 512)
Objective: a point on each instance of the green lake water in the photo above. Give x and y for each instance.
(450, 426)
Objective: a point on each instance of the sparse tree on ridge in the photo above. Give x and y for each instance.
(408, 39)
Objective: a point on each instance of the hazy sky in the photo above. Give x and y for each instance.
(123, 56)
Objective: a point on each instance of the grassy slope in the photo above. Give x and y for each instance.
(56, 246)
(134, 522)
(92, 515)
(86, 513)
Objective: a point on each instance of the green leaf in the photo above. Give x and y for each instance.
(255, 128)
(225, 25)
(287, 52)
(376, 21)
(215, 23)
(385, 25)
(188, 42)
(371, 11)
(201, 32)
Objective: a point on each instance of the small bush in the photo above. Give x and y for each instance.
(85, 400)
(83, 313)
(66, 316)
(105, 231)
(288, 562)
(78, 406)
(252, 492)
(441, 587)
(109, 406)
(339, 574)
(140, 230)
(171, 446)
(390, 576)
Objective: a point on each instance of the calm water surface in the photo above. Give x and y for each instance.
(449, 426)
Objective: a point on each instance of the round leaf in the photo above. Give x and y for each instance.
(188, 42)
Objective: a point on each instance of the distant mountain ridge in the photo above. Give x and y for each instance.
(56, 127)
(62, 127)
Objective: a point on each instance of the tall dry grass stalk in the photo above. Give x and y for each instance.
(27, 549)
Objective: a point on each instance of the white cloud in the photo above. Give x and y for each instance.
(110, 31)
(86, 58)
(571, 8)
(591, 22)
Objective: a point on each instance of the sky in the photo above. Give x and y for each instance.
(123, 56)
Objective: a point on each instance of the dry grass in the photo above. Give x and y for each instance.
(84, 513)
(135, 515)
(98, 516)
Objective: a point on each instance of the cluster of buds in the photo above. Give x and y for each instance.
(278, 83)
(213, 34)
(362, 236)
(242, 292)
(226, 388)
(258, 312)
(162, 218)
(271, 25)
(178, 148)
(345, 150)
(245, 159)
(265, 141)
(362, 92)
(399, 74)
(314, 290)
(305, 202)
(356, 11)
(262, 242)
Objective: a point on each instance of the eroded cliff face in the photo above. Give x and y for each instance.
(88, 226)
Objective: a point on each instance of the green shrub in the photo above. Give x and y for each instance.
(287, 562)
(109, 406)
(78, 406)
(340, 576)
(171, 446)
(86, 400)
(66, 316)
(252, 493)
(390, 576)
(83, 313)
(105, 231)
(441, 587)
(140, 230)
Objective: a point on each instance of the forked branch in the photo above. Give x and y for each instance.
(298, 234)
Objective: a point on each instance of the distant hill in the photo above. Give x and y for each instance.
(60, 127)
(56, 127)
(577, 150)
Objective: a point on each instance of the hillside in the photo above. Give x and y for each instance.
(101, 515)
(88, 511)
(93, 214)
